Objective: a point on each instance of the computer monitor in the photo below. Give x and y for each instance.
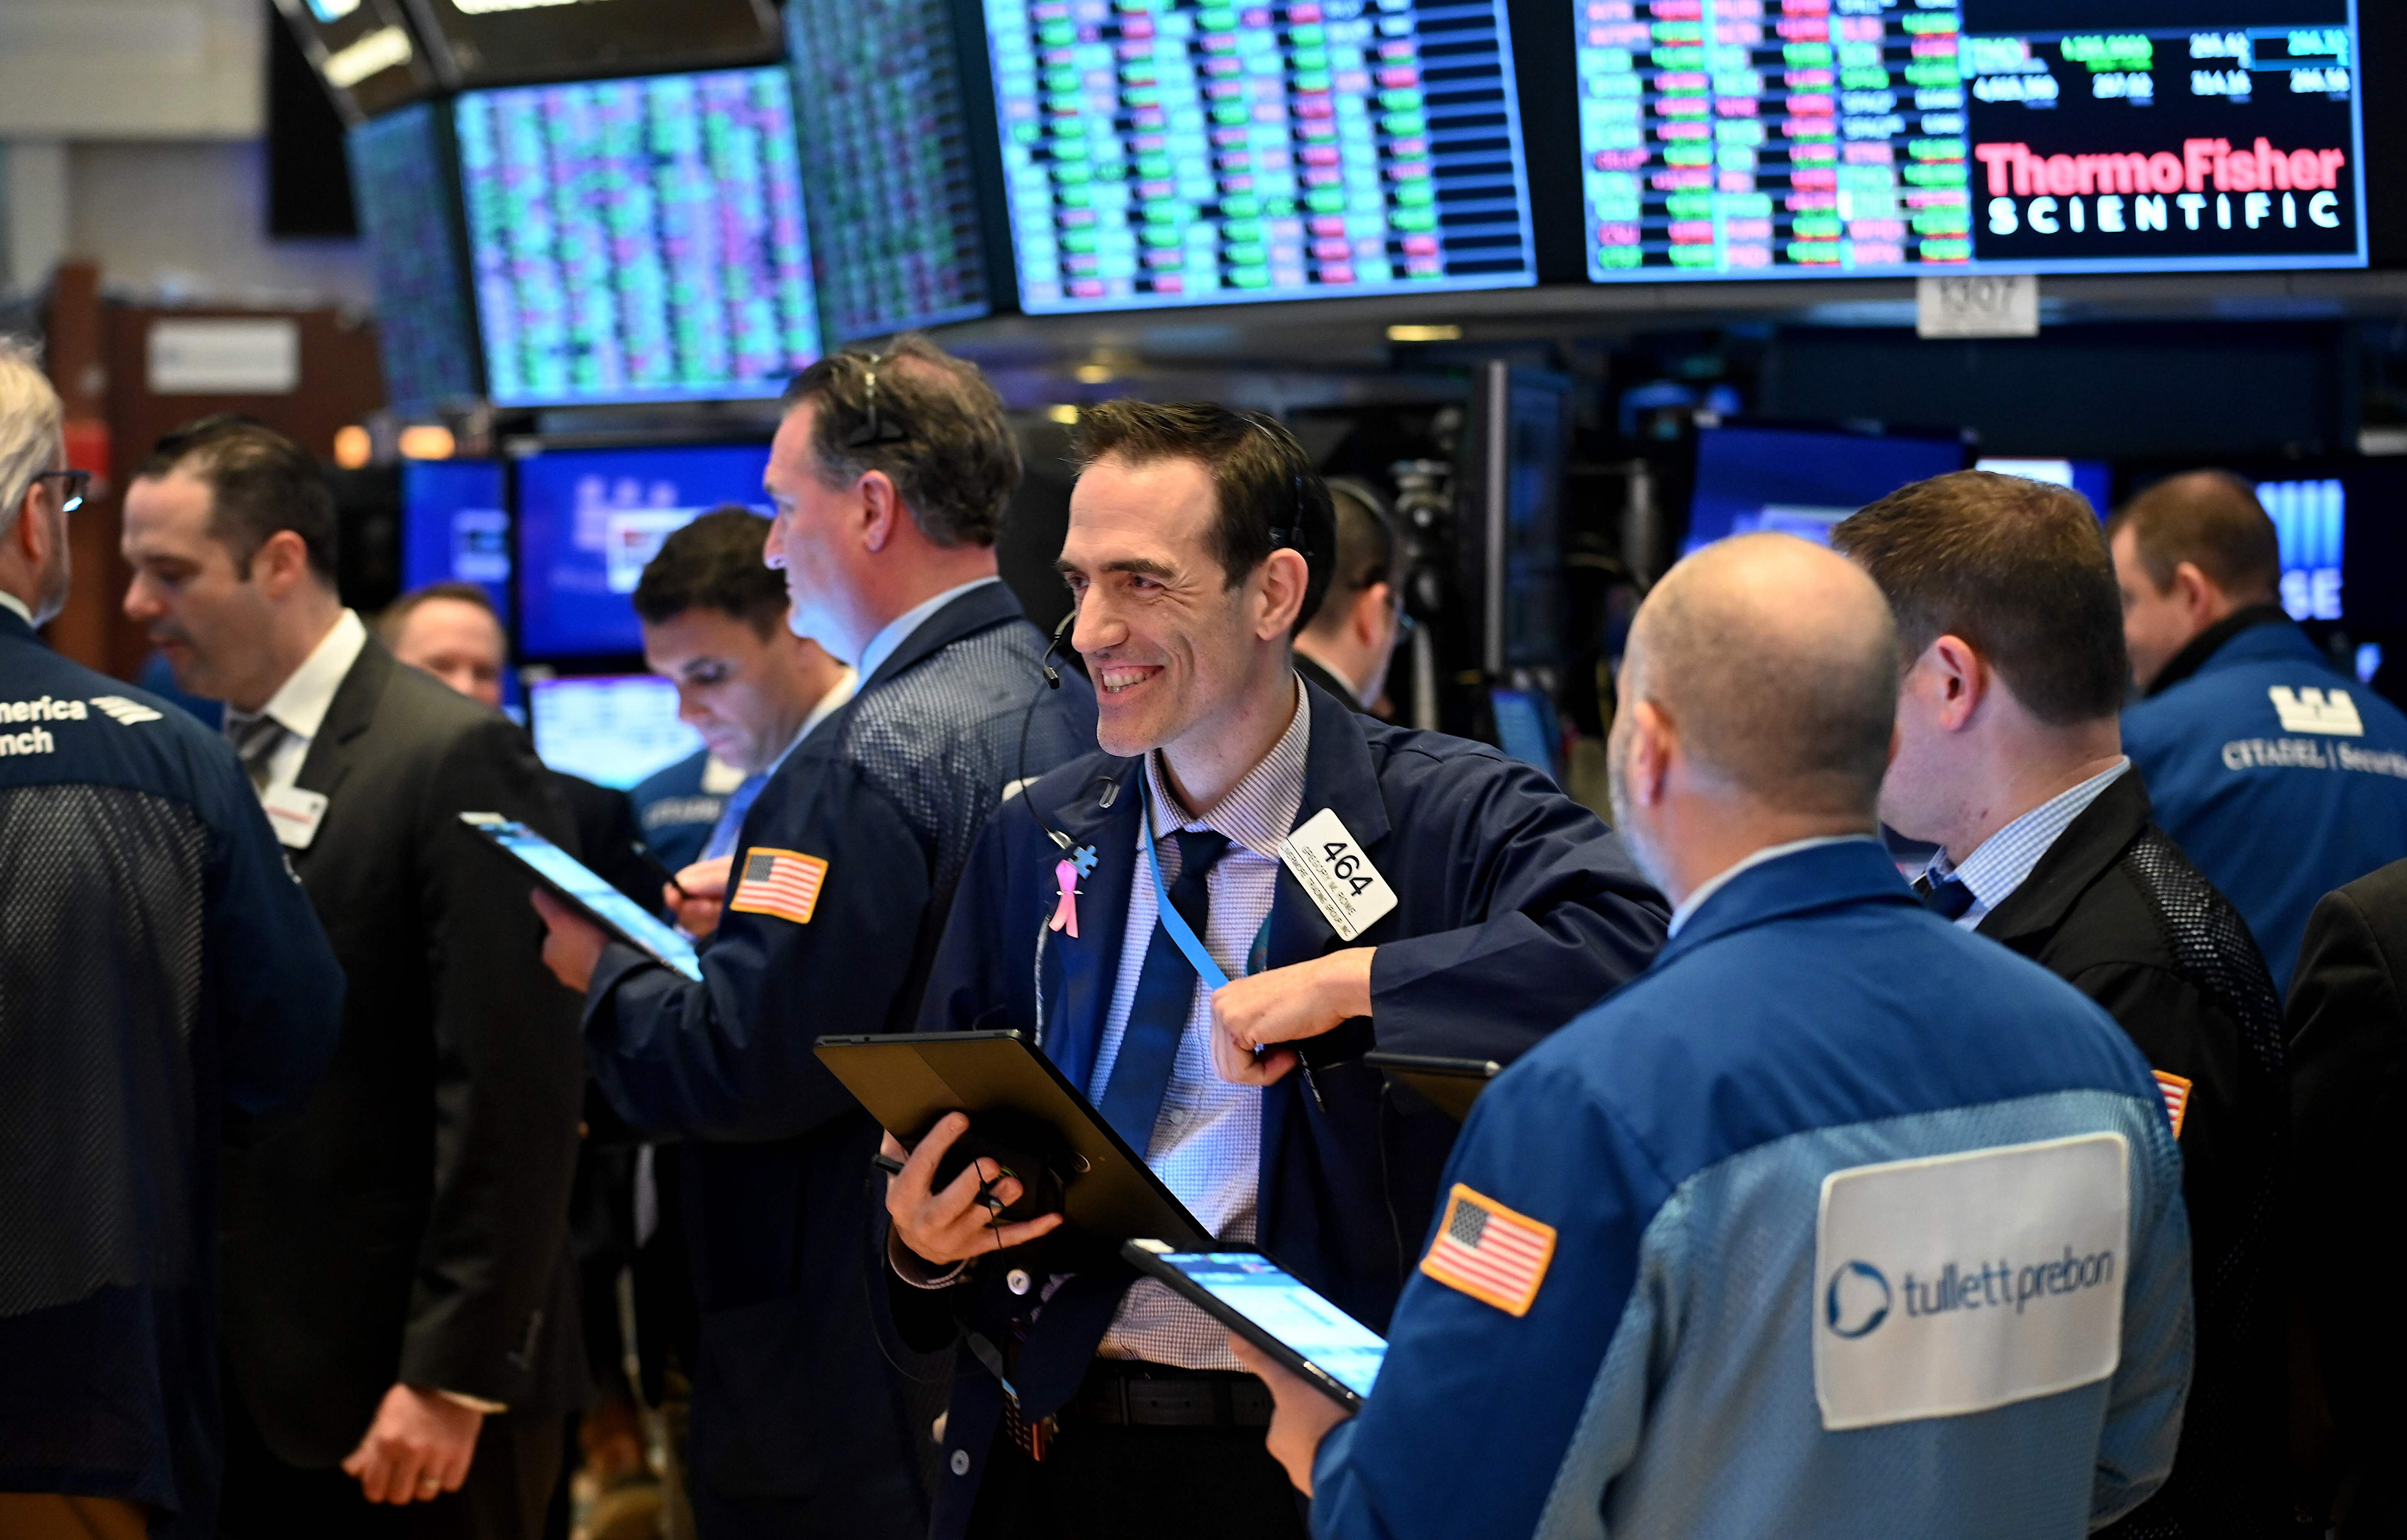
(494, 42)
(401, 183)
(1801, 481)
(2093, 479)
(455, 526)
(889, 174)
(365, 53)
(589, 519)
(2309, 514)
(612, 730)
(1528, 730)
(1166, 155)
(638, 240)
(1813, 140)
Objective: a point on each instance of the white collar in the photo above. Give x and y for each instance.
(829, 703)
(1260, 810)
(898, 630)
(1721, 879)
(300, 703)
(10, 601)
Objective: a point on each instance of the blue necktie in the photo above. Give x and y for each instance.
(730, 827)
(1165, 993)
(1948, 898)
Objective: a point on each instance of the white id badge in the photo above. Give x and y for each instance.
(1964, 1282)
(295, 815)
(1348, 889)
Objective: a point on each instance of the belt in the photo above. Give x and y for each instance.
(1131, 1393)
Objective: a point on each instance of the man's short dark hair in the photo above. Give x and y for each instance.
(1267, 493)
(260, 483)
(927, 419)
(2018, 568)
(2213, 520)
(1368, 551)
(715, 563)
(395, 617)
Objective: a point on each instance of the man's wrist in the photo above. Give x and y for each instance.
(1347, 984)
(474, 1403)
(917, 1270)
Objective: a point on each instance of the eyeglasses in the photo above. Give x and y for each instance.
(73, 484)
(871, 430)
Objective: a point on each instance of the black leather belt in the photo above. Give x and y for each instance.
(1127, 1393)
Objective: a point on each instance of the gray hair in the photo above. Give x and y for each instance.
(30, 421)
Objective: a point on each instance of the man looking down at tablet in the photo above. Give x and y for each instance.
(1460, 904)
(1840, 1222)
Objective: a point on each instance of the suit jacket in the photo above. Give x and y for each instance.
(409, 1223)
(1317, 673)
(2348, 1026)
(2117, 910)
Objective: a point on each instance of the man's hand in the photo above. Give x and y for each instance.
(418, 1447)
(953, 1225)
(1301, 1417)
(1282, 1005)
(573, 950)
(700, 893)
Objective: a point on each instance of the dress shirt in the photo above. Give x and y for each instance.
(1715, 883)
(898, 630)
(10, 601)
(300, 703)
(2003, 861)
(1208, 1139)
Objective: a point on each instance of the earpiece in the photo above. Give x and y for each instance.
(1052, 674)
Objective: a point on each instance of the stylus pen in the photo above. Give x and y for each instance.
(887, 1163)
(659, 869)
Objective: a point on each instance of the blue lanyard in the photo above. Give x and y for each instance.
(1184, 934)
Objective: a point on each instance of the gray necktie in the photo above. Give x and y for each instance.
(256, 739)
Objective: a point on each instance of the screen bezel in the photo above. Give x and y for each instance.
(497, 832)
(1155, 1259)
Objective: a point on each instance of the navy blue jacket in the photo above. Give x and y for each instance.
(1659, 1381)
(676, 812)
(1517, 910)
(2278, 778)
(163, 980)
(796, 1411)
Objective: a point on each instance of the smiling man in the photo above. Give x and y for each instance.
(1486, 909)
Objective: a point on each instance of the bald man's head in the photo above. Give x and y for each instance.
(1776, 662)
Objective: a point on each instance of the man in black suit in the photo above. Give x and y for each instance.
(2348, 1027)
(2009, 757)
(399, 1302)
(1347, 644)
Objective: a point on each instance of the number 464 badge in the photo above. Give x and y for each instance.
(1341, 880)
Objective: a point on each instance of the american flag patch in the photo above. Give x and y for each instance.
(2176, 1092)
(1489, 1252)
(783, 882)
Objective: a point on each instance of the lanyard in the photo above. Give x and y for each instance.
(1184, 934)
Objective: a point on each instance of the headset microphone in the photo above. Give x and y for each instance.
(1052, 674)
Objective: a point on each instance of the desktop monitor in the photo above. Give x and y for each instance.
(401, 180)
(455, 526)
(1805, 140)
(612, 730)
(589, 519)
(889, 174)
(494, 42)
(2092, 478)
(1801, 481)
(1527, 728)
(1160, 153)
(638, 240)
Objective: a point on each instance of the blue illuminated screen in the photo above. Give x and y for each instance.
(638, 240)
(455, 526)
(1800, 481)
(1284, 1307)
(1164, 152)
(2093, 479)
(589, 519)
(403, 193)
(2311, 518)
(612, 730)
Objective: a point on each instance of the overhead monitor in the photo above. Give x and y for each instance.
(2092, 478)
(638, 240)
(589, 519)
(495, 42)
(2309, 514)
(455, 526)
(401, 182)
(1801, 481)
(1799, 138)
(887, 173)
(1168, 152)
(611, 730)
(363, 51)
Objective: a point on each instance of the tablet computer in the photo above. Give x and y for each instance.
(1274, 1311)
(1451, 1084)
(578, 887)
(1017, 1101)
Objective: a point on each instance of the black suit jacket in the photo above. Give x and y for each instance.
(2348, 1027)
(2115, 909)
(409, 1223)
(1317, 673)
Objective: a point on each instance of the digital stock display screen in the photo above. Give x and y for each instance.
(638, 240)
(1791, 139)
(402, 190)
(887, 164)
(1164, 152)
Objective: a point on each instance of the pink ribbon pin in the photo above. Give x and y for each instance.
(1065, 914)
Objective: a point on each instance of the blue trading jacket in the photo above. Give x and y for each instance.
(1517, 908)
(1808, 1018)
(676, 811)
(2279, 779)
(163, 982)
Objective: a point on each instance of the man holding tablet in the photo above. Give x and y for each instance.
(1361, 885)
(1840, 1222)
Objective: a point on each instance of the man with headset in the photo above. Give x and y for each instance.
(889, 477)
(1480, 909)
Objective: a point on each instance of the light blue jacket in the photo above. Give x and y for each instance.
(1809, 1018)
